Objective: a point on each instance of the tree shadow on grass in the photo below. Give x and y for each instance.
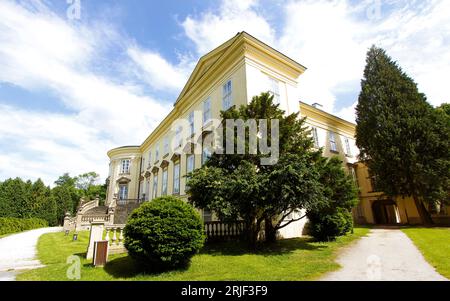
(281, 247)
(127, 267)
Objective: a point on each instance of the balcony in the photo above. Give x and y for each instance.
(124, 202)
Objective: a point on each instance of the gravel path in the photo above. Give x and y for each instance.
(18, 252)
(383, 255)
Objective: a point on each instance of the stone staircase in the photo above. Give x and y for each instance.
(122, 212)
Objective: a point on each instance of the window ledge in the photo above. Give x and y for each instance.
(334, 152)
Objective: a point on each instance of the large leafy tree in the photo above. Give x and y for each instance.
(239, 186)
(402, 139)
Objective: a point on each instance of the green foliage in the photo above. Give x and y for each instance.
(21, 199)
(239, 186)
(401, 137)
(330, 225)
(10, 225)
(164, 233)
(340, 195)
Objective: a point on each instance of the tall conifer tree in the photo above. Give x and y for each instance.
(401, 138)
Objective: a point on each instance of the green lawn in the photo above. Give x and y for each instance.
(292, 259)
(434, 243)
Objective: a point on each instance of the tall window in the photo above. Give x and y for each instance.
(348, 150)
(157, 152)
(333, 145)
(166, 145)
(275, 90)
(155, 185)
(176, 177)
(123, 191)
(352, 171)
(190, 164)
(141, 188)
(149, 158)
(227, 101)
(164, 181)
(125, 166)
(206, 110)
(147, 189)
(143, 163)
(315, 137)
(191, 123)
(206, 152)
(178, 137)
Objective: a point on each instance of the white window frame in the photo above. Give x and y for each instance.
(348, 150)
(176, 177)
(191, 123)
(157, 152)
(165, 178)
(333, 144)
(315, 137)
(190, 165)
(178, 136)
(275, 90)
(190, 160)
(227, 100)
(149, 158)
(155, 186)
(206, 154)
(147, 189)
(125, 166)
(123, 191)
(207, 110)
(166, 146)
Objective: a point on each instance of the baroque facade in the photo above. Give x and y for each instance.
(231, 75)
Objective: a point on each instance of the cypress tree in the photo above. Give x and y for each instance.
(401, 138)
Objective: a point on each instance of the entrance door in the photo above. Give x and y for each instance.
(385, 212)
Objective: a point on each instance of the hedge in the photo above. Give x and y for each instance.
(13, 225)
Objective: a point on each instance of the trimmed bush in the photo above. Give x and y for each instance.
(326, 227)
(164, 233)
(10, 225)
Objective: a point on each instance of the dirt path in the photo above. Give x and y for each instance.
(18, 252)
(383, 255)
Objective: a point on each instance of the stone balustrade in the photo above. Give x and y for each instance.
(114, 237)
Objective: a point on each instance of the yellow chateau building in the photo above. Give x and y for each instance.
(230, 75)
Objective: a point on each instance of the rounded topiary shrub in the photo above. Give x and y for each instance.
(328, 226)
(164, 233)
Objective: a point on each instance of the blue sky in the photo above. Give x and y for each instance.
(70, 89)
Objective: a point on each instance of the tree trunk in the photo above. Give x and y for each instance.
(425, 216)
(270, 231)
(252, 234)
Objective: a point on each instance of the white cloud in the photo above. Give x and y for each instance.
(331, 38)
(158, 72)
(45, 145)
(213, 28)
(40, 51)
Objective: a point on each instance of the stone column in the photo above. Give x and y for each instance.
(96, 234)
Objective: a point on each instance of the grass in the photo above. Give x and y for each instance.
(434, 243)
(291, 259)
